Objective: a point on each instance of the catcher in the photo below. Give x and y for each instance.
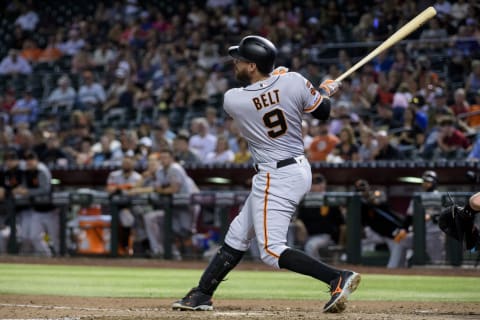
(458, 222)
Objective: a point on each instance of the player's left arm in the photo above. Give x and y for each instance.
(318, 101)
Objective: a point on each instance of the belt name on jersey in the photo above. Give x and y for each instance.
(266, 99)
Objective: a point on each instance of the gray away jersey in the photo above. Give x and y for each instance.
(268, 114)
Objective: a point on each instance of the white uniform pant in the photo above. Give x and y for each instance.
(269, 208)
(33, 227)
(434, 245)
(396, 250)
(183, 221)
(317, 242)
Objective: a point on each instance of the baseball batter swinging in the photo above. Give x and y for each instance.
(268, 113)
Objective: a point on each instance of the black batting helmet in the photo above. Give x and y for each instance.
(430, 176)
(256, 49)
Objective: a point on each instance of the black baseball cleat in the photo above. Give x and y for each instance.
(340, 288)
(195, 300)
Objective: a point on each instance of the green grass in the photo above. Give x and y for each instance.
(171, 283)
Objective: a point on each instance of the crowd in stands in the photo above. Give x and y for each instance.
(85, 84)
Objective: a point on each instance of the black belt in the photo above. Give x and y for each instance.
(285, 162)
(281, 163)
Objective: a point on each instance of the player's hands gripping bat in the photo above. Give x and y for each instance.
(330, 87)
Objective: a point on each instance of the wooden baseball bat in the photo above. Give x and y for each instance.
(401, 33)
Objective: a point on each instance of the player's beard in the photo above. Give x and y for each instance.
(242, 75)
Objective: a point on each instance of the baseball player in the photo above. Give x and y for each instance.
(42, 218)
(11, 185)
(120, 182)
(435, 239)
(171, 178)
(459, 222)
(268, 112)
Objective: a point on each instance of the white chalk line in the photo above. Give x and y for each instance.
(41, 319)
(35, 306)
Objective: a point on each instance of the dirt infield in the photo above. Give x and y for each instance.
(53, 307)
(61, 307)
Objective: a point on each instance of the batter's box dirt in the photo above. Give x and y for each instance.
(76, 308)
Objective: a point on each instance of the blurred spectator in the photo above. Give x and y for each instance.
(322, 144)
(23, 141)
(62, 96)
(25, 110)
(216, 85)
(28, 19)
(347, 148)
(208, 55)
(473, 120)
(73, 137)
(402, 96)
(411, 136)
(128, 145)
(459, 11)
(73, 44)
(472, 84)
(143, 151)
(325, 226)
(181, 151)
(159, 140)
(51, 53)
(438, 109)
(30, 51)
(14, 64)
(164, 123)
(460, 103)
(221, 154)
(91, 94)
(202, 142)
(143, 101)
(103, 54)
(118, 183)
(433, 38)
(389, 118)
(104, 155)
(418, 109)
(386, 150)
(451, 142)
(53, 154)
(116, 94)
(475, 152)
(8, 101)
(84, 156)
(341, 116)
(383, 62)
(368, 144)
(82, 60)
(243, 155)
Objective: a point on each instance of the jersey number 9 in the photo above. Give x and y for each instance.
(275, 120)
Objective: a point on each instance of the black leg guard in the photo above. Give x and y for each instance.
(222, 263)
(300, 262)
